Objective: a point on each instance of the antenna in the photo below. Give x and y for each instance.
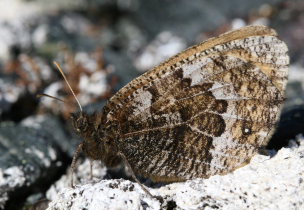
(61, 72)
(53, 97)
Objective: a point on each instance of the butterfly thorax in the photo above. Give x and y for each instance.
(97, 144)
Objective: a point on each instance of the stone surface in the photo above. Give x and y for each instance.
(22, 78)
(125, 30)
(14, 33)
(188, 19)
(268, 182)
(48, 124)
(295, 87)
(82, 174)
(9, 93)
(291, 123)
(29, 158)
(164, 46)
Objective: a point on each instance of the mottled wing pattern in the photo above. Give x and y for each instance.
(205, 111)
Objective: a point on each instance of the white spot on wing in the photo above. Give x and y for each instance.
(194, 71)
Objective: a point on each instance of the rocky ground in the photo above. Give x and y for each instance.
(101, 46)
(268, 182)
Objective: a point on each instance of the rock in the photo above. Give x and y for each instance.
(107, 194)
(129, 32)
(188, 19)
(268, 182)
(48, 124)
(10, 93)
(82, 174)
(164, 46)
(14, 33)
(17, 9)
(295, 86)
(290, 125)
(29, 158)
(23, 78)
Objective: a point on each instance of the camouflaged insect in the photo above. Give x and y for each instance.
(203, 112)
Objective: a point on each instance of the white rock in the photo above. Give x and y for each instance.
(81, 175)
(40, 35)
(266, 183)
(9, 93)
(164, 46)
(296, 73)
(237, 23)
(10, 178)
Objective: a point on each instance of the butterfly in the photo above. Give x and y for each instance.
(205, 111)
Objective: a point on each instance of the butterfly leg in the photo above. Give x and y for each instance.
(133, 175)
(73, 165)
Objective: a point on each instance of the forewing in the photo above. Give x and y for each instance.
(208, 112)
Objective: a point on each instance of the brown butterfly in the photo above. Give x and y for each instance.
(203, 112)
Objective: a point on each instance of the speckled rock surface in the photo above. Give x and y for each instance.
(28, 156)
(82, 174)
(268, 182)
(49, 124)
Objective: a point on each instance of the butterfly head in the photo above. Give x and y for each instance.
(80, 122)
(96, 144)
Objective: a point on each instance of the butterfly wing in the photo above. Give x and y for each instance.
(205, 111)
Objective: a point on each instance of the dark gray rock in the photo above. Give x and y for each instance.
(55, 130)
(29, 158)
(295, 86)
(289, 126)
(188, 19)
